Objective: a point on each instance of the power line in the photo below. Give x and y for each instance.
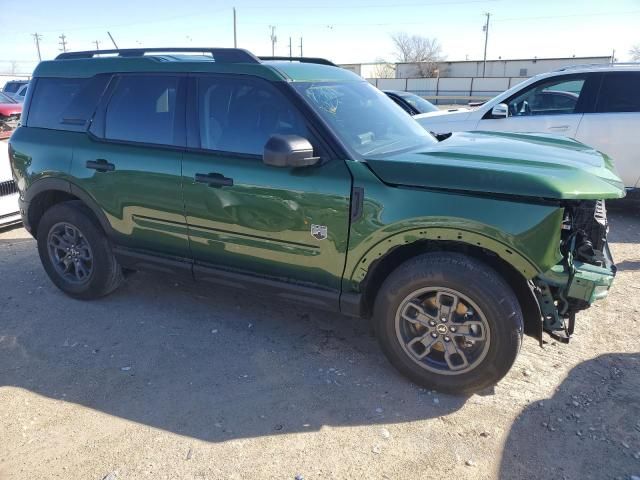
(235, 37)
(359, 6)
(37, 38)
(63, 42)
(274, 39)
(486, 40)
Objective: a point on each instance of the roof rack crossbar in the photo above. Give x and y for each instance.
(220, 55)
(598, 65)
(321, 61)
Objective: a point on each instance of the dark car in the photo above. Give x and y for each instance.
(12, 86)
(410, 102)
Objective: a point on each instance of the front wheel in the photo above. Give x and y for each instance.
(448, 322)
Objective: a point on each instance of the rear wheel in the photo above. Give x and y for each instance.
(75, 252)
(448, 322)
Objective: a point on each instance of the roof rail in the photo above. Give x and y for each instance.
(220, 55)
(320, 61)
(598, 65)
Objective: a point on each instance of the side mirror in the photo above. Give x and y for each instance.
(500, 110)
(288, 151)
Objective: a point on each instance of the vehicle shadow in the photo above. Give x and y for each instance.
(589, 429)
(204, 362)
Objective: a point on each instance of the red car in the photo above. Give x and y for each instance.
(10, 111)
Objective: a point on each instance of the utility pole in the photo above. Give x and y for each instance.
(37, 37)
(301, 47)
(274, 39)
(613, 56)
(290, 53)
(112, 40)
(63, 43)
(235, 36)
(97, 42)
(486, 40)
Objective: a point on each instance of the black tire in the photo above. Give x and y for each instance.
(479, 284)
(104, 273)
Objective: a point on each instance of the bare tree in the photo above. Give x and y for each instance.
(424, 52)
(384, 69)
(635, 53)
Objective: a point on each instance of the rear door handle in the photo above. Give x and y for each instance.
(101, 165)
(559, 128)
(214, 179)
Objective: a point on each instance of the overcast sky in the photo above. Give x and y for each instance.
(344, 31)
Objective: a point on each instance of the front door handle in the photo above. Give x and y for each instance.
(101, 165)
(559, 128)
(214, 179)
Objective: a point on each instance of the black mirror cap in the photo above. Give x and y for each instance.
(288, 151)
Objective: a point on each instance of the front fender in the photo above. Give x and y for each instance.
(525, 234)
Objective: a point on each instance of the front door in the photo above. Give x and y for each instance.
(282, 223)
(554, 105)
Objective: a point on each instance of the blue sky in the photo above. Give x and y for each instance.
(344, 31)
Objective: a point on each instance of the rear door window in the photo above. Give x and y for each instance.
(65, 103)
(145, 109)
(620, 92)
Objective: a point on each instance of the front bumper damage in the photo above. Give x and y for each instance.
(569, 287)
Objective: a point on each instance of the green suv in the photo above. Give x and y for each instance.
(301, 180)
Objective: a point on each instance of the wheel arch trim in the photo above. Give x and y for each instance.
(442, 234)
(61, 185)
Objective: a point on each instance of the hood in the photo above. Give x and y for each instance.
(452, 115)
(533, 165)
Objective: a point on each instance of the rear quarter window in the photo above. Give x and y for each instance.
(65, 103)
(620, 92)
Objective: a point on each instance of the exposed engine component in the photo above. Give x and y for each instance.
(585, 230)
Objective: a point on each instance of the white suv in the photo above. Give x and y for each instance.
(598, 105)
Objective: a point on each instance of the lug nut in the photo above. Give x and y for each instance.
(443, 319)
(453, 329)
(447, 339)
(432, 323)
(434, 335)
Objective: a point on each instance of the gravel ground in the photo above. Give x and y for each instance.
(172, 380)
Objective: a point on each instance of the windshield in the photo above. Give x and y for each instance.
(365, 119)
(418, 103)
(12, 87)
(4, 98)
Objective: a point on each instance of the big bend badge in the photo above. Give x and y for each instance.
(319, 231)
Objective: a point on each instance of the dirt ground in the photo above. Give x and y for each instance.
(171, 380)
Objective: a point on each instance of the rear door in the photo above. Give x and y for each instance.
(614, 125)
(282, 223)
(130, 162)
(553, 105)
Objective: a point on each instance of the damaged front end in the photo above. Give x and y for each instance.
(585, 274)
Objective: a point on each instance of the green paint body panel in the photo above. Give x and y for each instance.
(590, 282)
(479, 189)
(525, 235)
(262, 224)
(528, 165)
